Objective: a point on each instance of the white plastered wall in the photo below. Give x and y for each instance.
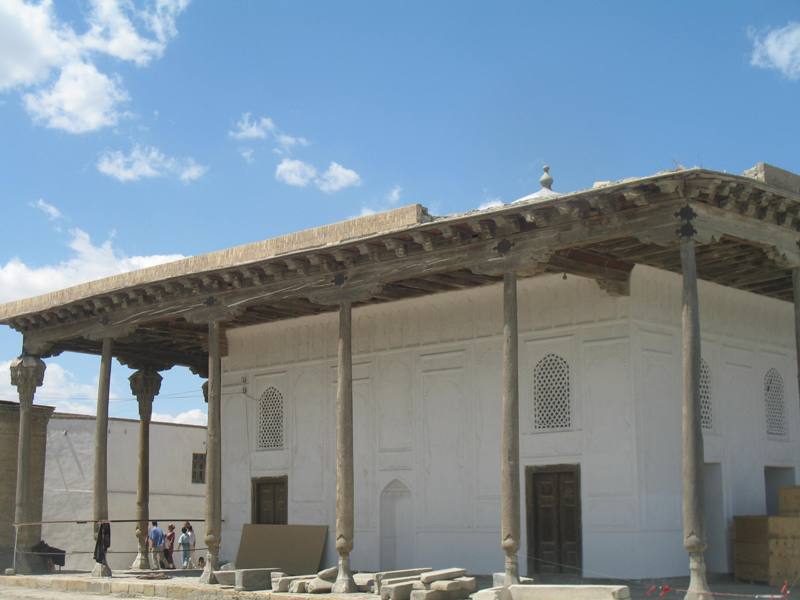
(743, 335)
(426, 397)
(69, 476)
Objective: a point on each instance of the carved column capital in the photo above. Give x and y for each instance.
(27, 373)
(205, 391)
(145, 385)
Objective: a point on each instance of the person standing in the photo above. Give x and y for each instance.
(192, 542)
(185, 544)
(156, 541)
(169, 546)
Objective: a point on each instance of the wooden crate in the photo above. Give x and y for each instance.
(789, 501)
(767, 549)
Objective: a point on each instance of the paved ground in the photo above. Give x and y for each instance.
(729, 589)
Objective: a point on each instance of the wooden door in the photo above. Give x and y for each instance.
(554, 519)
(270, 500)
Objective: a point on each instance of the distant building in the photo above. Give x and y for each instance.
(9, 431)
(177, 483)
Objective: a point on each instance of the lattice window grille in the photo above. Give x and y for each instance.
(552, 402)
(706, 407)
(774, 403)
(270, 420)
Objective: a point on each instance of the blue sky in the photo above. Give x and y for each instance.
(135, 132)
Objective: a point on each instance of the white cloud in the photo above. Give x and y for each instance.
(262, 128)
(393, 197)
(248, 155)
(35, 45)
(299, 174)
(60, 389)
(491, 203)
(248, 129)
(295, 172)
(194, 416)
(87, 262)
(81, 99)
(48, 209)
(32, 43)
(337, 178)
(287, 142)
(112, 30)
(778, 49)
(144, 162)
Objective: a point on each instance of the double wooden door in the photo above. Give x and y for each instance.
(270, 500)
(554, 519)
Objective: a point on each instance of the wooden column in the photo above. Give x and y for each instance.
(27, 373)
(213, 454)
(796, 288)
(694, 537)
(145, 385)
(101, 450)
(509, 433)
(344, 452)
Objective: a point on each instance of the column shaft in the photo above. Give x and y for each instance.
(213, 454)
(145, 385)
(101, 449)
(693, 462)
(344, 452)
(509, 438)
(27, 373)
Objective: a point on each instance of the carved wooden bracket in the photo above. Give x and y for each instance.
(343, 293)
(212, 310)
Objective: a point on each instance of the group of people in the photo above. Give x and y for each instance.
(162, 546)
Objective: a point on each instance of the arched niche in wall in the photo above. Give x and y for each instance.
(396, 526)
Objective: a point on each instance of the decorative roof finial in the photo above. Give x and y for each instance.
(546, 179)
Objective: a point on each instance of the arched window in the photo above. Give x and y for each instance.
(552, 404)
(706, 407)
(774, 403)
(270, 420)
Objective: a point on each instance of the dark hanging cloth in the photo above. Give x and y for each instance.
(45, 552)
(103, 542)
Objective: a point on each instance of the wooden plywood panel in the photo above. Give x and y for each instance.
(789, 501)
(294, 549)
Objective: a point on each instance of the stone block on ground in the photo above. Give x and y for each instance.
(499, 580)
(428, 595)
(299, 586)
(365, 582)
(248, 580)
(274, 576)
(397, 591)
(567, 592)
(460, 584)
(225, 577)
(432, 576)
(382, 576)
(395, 580)
(329, 574)
(283, 583)
(319, 586)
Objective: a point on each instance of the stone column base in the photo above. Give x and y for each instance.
(207, 576)
(344, 579)
(141, 562)
(101, 570)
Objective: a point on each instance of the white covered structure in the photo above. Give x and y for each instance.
(599, 376)
(568, 379)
